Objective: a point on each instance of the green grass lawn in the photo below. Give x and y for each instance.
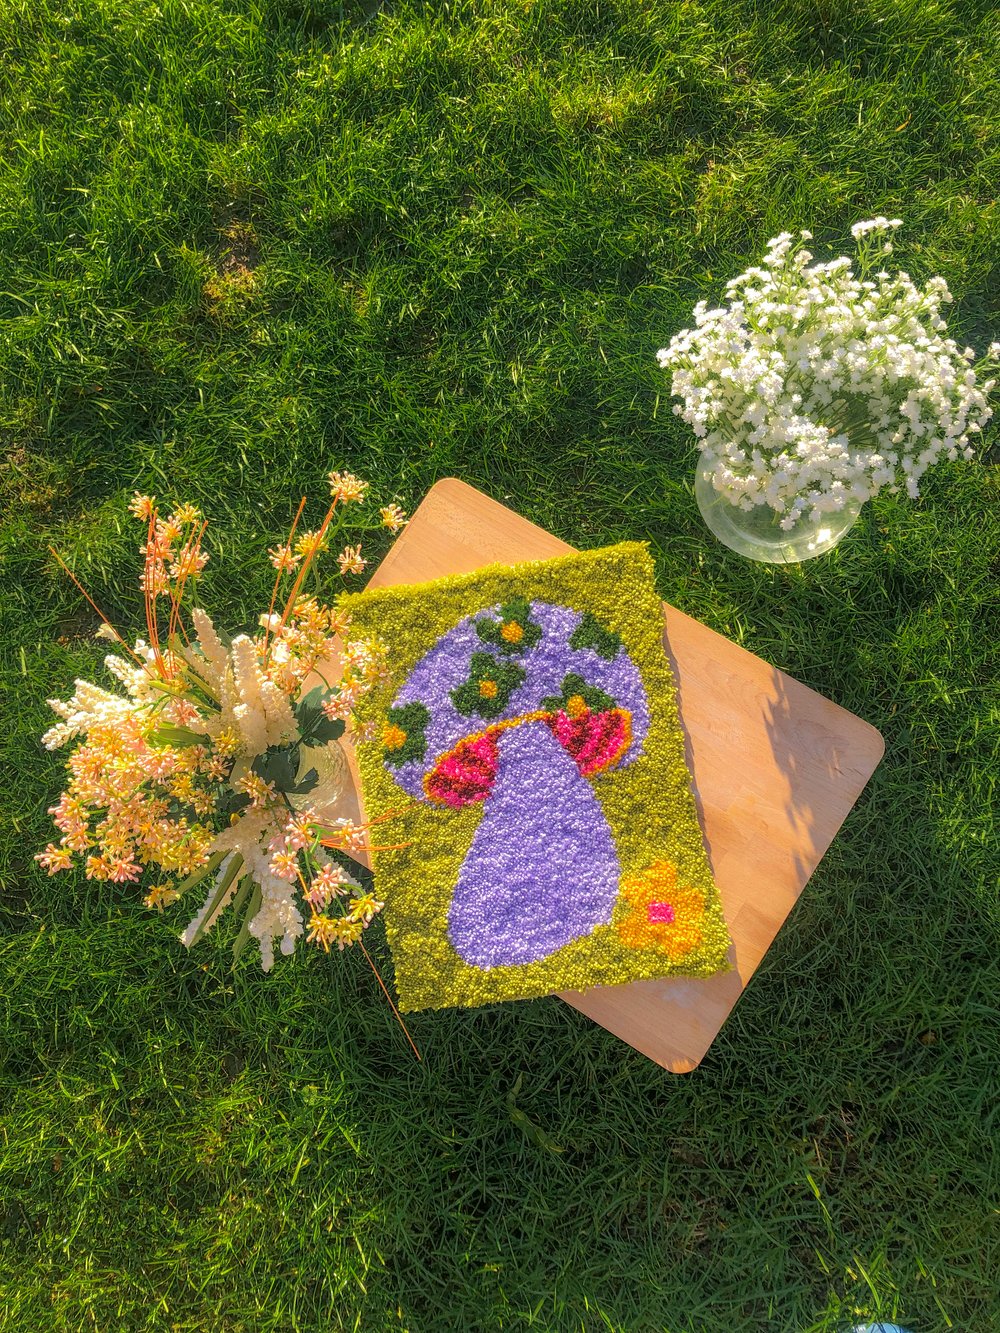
(243, 243)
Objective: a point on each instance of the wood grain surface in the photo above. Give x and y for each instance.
(776, 769)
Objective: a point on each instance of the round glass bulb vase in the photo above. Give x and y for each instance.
(757, 532)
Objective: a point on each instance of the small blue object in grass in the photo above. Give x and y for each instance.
(878, 1328)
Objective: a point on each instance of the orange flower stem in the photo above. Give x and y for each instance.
(177, 594)
(83, 591)
(389, 998)
(305, 886)
(389, 814)
(307, 561)
(145, 581)
(277, 579)
(151, 626)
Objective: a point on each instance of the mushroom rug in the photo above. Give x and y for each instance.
(527, 773)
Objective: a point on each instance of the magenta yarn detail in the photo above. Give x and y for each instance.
(661, 913)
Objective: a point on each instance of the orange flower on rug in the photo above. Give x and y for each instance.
(663, 914)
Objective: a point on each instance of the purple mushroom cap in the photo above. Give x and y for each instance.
(445, 668)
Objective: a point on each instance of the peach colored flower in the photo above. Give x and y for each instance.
(283, 558)
(350, 560)
(345, 487)
(393, 517)
(142, 506)
(285, 865)
(330, 881)
(54, 858)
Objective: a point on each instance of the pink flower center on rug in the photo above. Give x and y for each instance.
(661, 913)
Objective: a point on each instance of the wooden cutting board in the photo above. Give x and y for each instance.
(776, 769)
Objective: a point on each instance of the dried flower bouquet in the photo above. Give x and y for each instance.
(216, 767)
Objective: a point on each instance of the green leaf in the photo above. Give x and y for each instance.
(306, 783)
(311, 702)
(242, 893)
(309, 712)
(232, 802)
(239, 944)
(178, 737)
(279, 765)
(328, 729)
(315, 728)
(232, 870)
(200, 874)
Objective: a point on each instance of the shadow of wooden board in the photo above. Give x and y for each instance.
(776, 769)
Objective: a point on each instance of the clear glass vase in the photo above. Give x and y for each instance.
(333, 783)
(757, 533)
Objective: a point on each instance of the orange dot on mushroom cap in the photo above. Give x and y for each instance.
(487, 689)
(393, 738)
(576, 705)
(511, 631)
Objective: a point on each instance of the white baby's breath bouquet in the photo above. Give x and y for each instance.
(814, 387)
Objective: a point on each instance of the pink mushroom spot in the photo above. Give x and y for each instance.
(465, 773)
(595, 741)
